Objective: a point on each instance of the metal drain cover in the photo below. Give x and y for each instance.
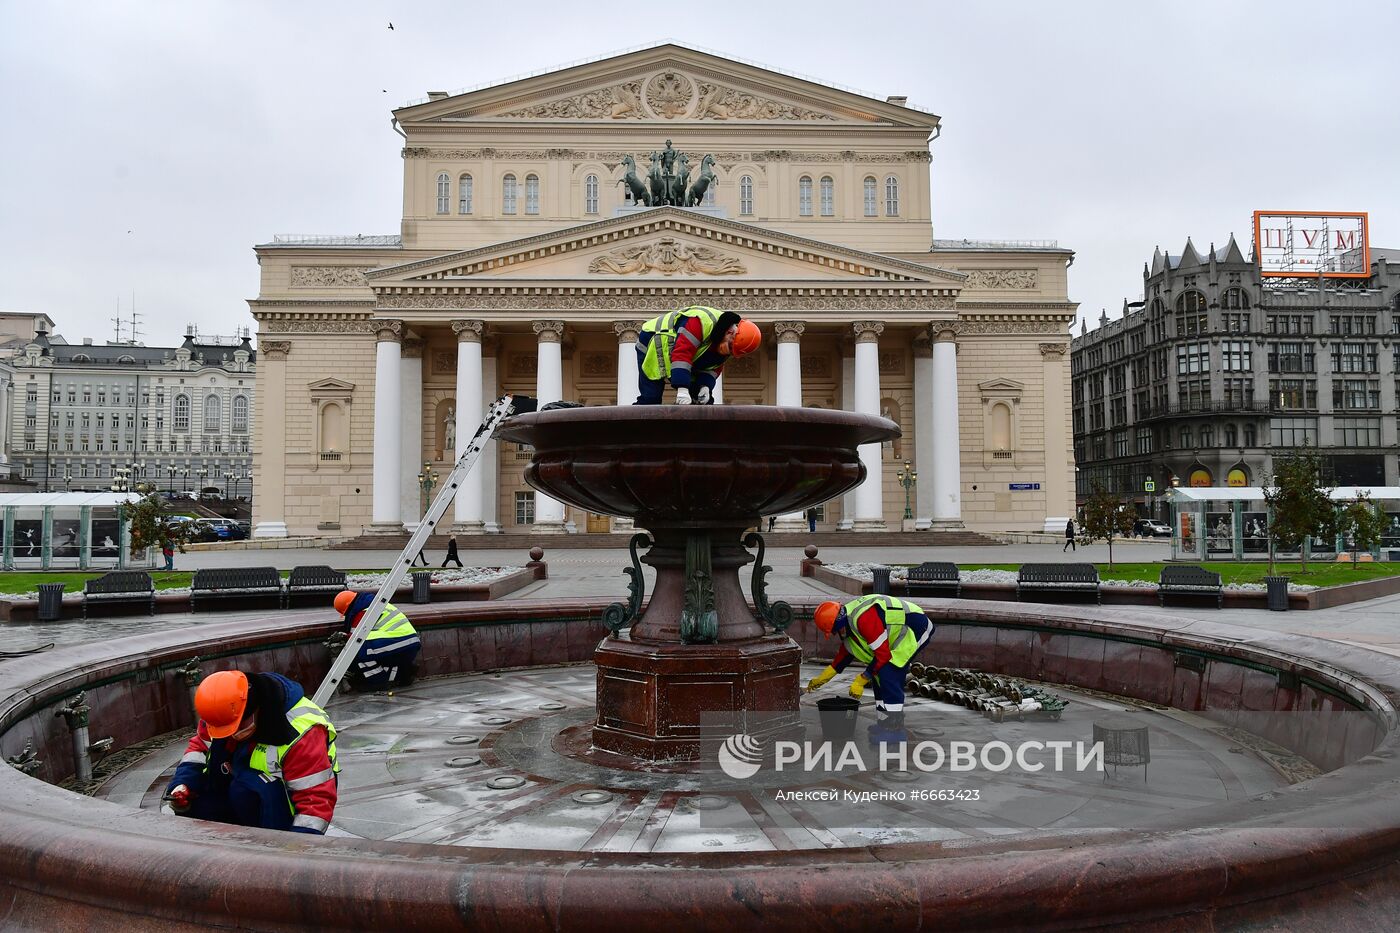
(465, 761)
(496, 720)
(505, 782)
(901, 777)
(709, 802)
(552, 707)
(591, 797)
(463, 740)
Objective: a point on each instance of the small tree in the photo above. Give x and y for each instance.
(1362, 523)
(149, 527)
(1299, 502)
(1106, 517)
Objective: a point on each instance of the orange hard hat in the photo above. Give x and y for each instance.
(220, 702)
(825, 617)
(343, 599)
(747, 339)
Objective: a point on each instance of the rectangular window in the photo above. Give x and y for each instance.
(524, 508)
(1357, 432)
(1291, 358)
(1356, 394)
(1235, 323)
(1348, 324)
(1144, 440)
(1192, 358)
(1193, 394)
(1293, 394)
(1120, 444)
(1235, 356)
(1192, 325)
(57, 396)
(1354, 357)
(1293, 432)
(1238, 393)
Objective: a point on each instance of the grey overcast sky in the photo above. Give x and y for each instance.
(148, 145)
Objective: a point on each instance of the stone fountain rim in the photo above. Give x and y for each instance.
(47, 832)
(879, 428)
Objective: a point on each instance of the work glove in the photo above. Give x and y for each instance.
(682, 397)
(702, 396)
(820, 680)
(858, 686)
(180, 798)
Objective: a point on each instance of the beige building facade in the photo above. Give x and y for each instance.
(524, 264)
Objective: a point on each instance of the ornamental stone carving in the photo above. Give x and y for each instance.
(1002, 278)
(1011, 327)
(329, 276)
(789, 331)
(619, 102)
(444, 362)
(549, 331)
(669, 94)
(613, 157)
(868, 331)
(718, 102)
(627, 331)
(1053, 351)
(274, 350)
(411, 348)
(388, 331)
(653, 298)
(667, 256)
(468, 331)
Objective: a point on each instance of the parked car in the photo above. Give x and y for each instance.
(219, 529)
(1151, 528)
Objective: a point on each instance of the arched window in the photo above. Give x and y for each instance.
(1231, 436)
(709, 199)
(1000, 432)
(590, 194)
(508, 195)
(532, 194)
(464, 194)
(182, 413)
(443, 192)
(1207, 436)
(1185, 438)
(804, 196)
(212, 414)
(240, 414)
(891, 196)
(828, 191)
(870, 197)
(746, 194)
(1250, 436)
(1192, 302)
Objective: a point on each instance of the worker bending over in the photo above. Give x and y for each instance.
(690, 347)
(884, 634)
(387, 658)
(262, 755)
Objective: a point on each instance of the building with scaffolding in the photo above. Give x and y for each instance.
(1226, 362)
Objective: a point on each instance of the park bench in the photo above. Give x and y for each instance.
(121, 586)
(234, 583)
(1189, 581)
(1073, 579)
(933, 578)
(315, 580)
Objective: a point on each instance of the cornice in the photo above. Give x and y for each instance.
(648, 300)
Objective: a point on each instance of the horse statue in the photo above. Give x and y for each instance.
(678, 180)
(696, 193)
(634, 183)
(657, 181)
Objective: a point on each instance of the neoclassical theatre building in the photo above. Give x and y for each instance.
(536, 238)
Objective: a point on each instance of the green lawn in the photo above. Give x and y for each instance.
(22, 581)
(1319, 573)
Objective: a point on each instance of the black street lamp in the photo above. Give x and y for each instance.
(427, 479)
(908, 479)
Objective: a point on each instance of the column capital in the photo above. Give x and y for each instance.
(412, 348)
(387, 331)
(627, 331)
(1053, 351)
(868, 331)
(945, 331)
(549, 331)
(789, 331)
(468, 331)
(273, 350)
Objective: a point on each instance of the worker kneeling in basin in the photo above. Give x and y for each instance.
(690, 347)
(263, 755)
(388, 656)
(884, 634)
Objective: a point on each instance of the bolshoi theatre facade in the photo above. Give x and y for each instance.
(545, 219)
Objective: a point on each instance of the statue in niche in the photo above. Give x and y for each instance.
(449, 431)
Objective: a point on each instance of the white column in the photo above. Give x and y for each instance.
(870, 505)
(718, 393)
(467, 509)
(1059, 454)
(384, 509)
(411, 455)
(549, 387)
(627, 332)
(270, 455)
(848, 403)
(789, 394)
(946, 474)
(490, 456)
(924, 434)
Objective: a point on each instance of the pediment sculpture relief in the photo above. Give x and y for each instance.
(718, 102)
(619, 102)
(667, 256)
(669, 95)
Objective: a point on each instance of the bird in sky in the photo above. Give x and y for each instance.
(391, 25)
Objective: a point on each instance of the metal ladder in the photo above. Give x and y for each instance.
(499, 411)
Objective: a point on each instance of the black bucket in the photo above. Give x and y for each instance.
(838, 718)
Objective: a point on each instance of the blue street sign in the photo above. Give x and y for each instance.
(1021, 487)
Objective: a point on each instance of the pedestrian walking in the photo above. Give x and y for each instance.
(452, 554)
(167, 549)
(414, 562)
(1069, 537)
(811, 520)
(771, 520)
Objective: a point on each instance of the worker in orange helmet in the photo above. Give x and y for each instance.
(388, 656)
(262, 755)
(884, 634)
(690, 347)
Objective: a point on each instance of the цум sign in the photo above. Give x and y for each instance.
(1322, 243)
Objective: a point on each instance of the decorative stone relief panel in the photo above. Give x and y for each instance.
(718, 102)
(329, 276)
(745, 367)
(444, 362)
(621, 101)
(891, 363)
(816, 366)
(1002, 278)
(524, 364)
(669, 94)
(598, 364)
(667, 256)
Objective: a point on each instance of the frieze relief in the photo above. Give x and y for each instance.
(329, 276)
(1002, 278)
(667, 256)
(613, 157)
(718, 102)
(621, 101)
(648, 302)
(312, 326)
(976, 327)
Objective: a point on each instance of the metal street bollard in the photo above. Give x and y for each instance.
(422, 581)
(50, 602)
